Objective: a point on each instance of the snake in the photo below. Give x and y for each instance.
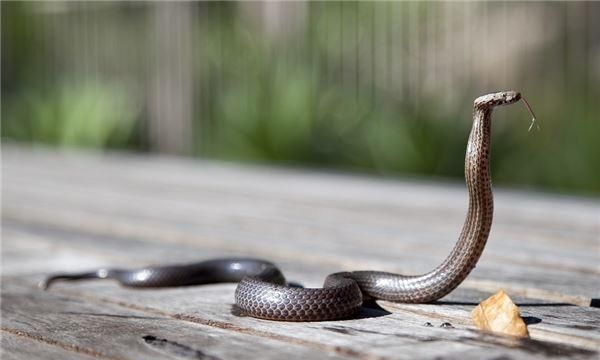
(263, 292)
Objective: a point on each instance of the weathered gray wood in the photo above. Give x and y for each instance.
(19, 345)
(198, 219)
(212, 303)
(402, 336)
(76, 211)
(120, 332)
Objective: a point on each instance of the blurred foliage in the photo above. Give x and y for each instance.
(276, 110)
(278, 103)
(91, 115)
(276, 106)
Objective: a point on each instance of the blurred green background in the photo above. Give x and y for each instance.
(374, 87)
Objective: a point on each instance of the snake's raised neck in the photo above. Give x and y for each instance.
(478, 221)
(473, 237)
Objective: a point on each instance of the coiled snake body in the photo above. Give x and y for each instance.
(262, 291)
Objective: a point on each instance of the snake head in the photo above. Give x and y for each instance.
(498, 98)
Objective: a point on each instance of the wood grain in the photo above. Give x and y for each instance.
(75, 211)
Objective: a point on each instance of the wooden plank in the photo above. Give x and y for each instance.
(557, 269)
(88, 211)
(415, 202)
(540, 267)
(405, 336)
(19, 345)
(175, 175)
(556, 322)
(118, 332)
(215, 302)
(577, 260)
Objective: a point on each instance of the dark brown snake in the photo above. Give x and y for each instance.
(262, 291)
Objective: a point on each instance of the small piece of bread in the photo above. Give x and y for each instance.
(500, 315)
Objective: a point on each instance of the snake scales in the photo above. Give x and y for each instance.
(262, 291)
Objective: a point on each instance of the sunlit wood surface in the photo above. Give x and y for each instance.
(77, 211)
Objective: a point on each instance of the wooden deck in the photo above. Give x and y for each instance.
(79, 211)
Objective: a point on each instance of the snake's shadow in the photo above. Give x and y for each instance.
(370, 309)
